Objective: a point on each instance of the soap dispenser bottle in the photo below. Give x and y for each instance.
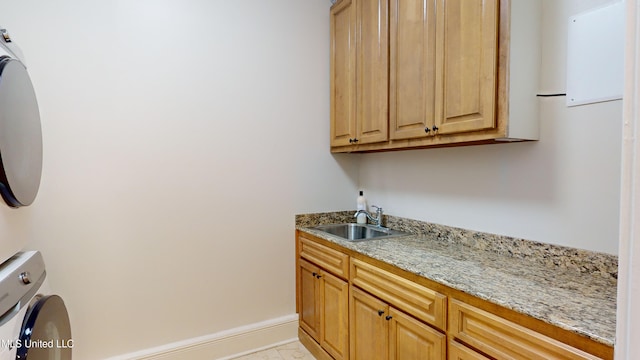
(361, 205)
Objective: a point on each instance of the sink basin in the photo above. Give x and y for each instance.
(359, 232)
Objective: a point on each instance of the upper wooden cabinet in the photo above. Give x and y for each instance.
(469, 66)
(428, 73)
(359, 72)
(343, 73)
(413, 71)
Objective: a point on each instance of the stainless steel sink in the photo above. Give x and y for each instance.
(359, 232)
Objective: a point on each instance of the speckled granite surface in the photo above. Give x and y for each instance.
(569, 288)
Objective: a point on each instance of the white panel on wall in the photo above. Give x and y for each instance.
(595, 55)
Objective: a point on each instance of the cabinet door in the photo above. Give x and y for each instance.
(412, 94)
(334, 319)
(469, 45)
(368, 326)
(411, 339)
(309, 299)
(372, 70)
(343, 73)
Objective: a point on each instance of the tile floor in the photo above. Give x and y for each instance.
(291, 351)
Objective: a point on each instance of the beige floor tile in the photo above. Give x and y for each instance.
(294, 351)
(270, 354)
(291, 351)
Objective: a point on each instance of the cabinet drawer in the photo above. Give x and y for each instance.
(329, 259)
(503, 339)
(458, 351)
(417, 300)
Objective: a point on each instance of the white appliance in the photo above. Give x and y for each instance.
(35, 323)
(20, 129)
(20, 137)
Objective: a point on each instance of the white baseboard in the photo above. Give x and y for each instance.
(225, 344)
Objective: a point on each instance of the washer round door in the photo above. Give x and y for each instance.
(20, 135)
(46, 331)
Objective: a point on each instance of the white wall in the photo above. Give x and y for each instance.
(180, 138)
(563, 189)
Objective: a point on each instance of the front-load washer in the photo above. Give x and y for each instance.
(20, 137)
(20, 128)
(34, 324)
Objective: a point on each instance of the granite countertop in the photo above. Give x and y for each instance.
(569, 288)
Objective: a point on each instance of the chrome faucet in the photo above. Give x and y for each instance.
(376, 220)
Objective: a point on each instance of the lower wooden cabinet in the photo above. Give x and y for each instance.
(379, 331)
(503, 339)
(309, 299)
(351, 308)
(458, 351)
(334, 319)
(323, 302)
(368, 328)
(421, 302)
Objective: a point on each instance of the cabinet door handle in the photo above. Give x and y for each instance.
(380, 312)
(435, 128)
(427, 130)
(318, 276)
(314, 274)
(388, 317)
